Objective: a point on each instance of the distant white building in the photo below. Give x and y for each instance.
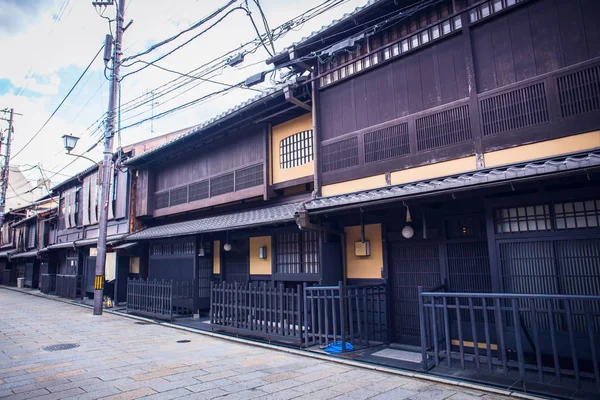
(21, 192)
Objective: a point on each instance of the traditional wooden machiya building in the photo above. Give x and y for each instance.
(218, 203)
(458, 145)
(24, 234)
(71, 252)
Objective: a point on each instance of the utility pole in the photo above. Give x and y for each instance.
(5, 168)
(108, 158)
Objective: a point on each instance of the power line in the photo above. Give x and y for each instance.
(180, 46)
(258, 33)
(61, 103)
(191, 28)
(200, 78)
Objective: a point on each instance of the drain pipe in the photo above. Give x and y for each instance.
(315, 135)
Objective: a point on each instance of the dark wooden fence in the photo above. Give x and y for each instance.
(48, 283)
(355, 314)
(260, 310)
(302, 315)
(7, 275)
(159, 298)
(68, 286)
(545, 338)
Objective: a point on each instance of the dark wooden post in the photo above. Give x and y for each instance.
(422, 328)
(342, 315)
(196, 279)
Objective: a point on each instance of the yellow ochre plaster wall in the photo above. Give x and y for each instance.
(436, 170)
(353, 186)
(260, 266)
(364, 267)
(549, 148)
(217, 257)
(280, 132)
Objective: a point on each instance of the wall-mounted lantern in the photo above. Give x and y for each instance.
(408, 231)
(262, 252)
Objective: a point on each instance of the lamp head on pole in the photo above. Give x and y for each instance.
(69, 142)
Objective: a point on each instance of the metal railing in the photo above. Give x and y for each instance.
(48, 283)
(262, 310)
(355, 314)
(159, 298)
(67, 286)
(543, 338)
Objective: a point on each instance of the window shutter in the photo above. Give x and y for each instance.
(93, 198)
(72, 202)
(121, 202)
(111, 188)
(86, 200)
(67, 213)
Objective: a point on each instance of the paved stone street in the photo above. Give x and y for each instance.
(119, 358)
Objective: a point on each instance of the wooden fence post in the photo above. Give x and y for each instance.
(422, 326)
(342, 316)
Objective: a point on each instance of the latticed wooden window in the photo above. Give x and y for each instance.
(297, 253)
(172, 249)
(296, 150)
(546, 217)
(161, 200)
(523, 219)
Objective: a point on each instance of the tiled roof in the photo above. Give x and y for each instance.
(74, 178)
(26, 254)
(478, 178)
(87, 242)
(324, 28)
(238, 220)
(274, 92)
(7, 253)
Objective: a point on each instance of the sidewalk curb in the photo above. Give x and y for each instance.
(303, 353)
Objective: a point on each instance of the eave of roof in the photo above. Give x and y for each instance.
(26, 254)
(219, 119)
(325, 29)
(238, 220)
(74, 178)
(24, 220)
(7, 253)
(469, 180)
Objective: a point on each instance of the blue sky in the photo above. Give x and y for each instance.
(53, 41)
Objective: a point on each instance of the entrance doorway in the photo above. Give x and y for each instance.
(411, 265)
(237, 262)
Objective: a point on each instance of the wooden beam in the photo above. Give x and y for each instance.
(289, 96)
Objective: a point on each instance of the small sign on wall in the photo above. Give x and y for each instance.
(362, 249)
(93, 251)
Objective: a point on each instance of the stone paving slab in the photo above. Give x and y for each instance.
(119, 360)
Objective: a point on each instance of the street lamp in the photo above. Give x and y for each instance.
(69, 142)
